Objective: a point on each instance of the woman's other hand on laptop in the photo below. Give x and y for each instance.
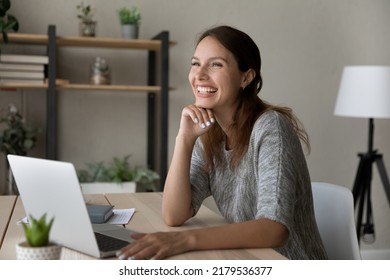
(156, 246)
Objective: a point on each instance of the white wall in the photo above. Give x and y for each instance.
(304, 46)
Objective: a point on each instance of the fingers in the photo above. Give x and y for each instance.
(136, 251)
(206, 118)
(203, 117)
(144, 248)
(154, 246)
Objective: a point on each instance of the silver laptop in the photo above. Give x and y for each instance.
(52, 187)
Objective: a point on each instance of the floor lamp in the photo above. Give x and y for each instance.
(365, 93)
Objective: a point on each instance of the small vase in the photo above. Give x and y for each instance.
(25, 252)
(88, 28)
(130, 31)
(100, 72)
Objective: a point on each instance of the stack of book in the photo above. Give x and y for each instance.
(18, 68)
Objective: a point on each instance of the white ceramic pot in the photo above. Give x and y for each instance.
(25, 252)
(102, 187)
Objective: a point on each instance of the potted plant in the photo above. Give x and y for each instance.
(37, 245)
(16, 138)
(87, 23)
(116, 176)
(130, 19)
(7, 22)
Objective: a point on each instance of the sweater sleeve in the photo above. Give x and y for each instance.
(199, 178)
(278, 150)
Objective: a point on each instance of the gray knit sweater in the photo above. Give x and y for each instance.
(272, 181)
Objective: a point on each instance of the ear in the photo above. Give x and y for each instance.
(248, 78)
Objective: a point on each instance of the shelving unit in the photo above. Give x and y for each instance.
(158, 55)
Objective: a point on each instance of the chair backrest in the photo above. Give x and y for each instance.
(334, 212)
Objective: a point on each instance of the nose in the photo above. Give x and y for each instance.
(201, 73)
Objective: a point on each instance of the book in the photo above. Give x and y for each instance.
(100, 214)
(22, 81)
(21, 67)
(23, 58)
(21, 74)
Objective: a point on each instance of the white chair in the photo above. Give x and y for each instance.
(334, 213)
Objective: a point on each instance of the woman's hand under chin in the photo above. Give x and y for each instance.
(195, 121)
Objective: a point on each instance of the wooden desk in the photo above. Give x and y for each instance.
(147, 218)
(7, 204)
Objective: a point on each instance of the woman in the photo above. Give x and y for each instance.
(244, 152)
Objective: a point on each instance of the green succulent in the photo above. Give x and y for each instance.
(129, 16)
(118, 170)
(37, 231)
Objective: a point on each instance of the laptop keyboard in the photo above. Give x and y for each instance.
(107, 243)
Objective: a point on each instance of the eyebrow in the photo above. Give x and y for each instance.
(212, 58)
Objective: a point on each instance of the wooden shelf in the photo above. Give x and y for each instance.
(100, 42)
(82, 87)
(110, 87)
(158, 70)
(20, 38)
(22, 86)
(96, 42)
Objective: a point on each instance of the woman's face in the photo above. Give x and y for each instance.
(214, 76)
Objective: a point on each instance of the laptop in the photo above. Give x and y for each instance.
(52, 187)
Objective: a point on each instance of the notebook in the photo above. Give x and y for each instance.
(100, 214)
(52, 187)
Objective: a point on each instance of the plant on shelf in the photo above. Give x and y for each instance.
(37, 244)
(16, 138)
(87, 23)
(7, 22)
(129, 16)
(119, 171)
(130, 19)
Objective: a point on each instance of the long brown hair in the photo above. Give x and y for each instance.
(250, 107)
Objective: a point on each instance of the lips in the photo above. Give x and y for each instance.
(206, 90)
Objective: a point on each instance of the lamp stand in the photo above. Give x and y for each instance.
(362, 187)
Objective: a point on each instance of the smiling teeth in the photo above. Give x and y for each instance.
(206, 89)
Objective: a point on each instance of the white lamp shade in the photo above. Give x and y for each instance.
(364, 92)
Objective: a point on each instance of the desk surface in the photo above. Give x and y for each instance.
(7, 204)
(147, 218)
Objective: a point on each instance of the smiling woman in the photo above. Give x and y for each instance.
(242, 151)
(216, 80)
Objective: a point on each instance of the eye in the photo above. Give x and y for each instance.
(195, 63)
(216, 65)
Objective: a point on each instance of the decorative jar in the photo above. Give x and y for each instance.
(100, 72)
